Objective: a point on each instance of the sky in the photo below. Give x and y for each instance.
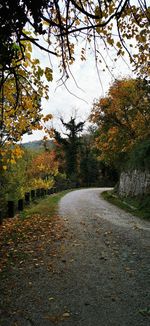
(78, 95)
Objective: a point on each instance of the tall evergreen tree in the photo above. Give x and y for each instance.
(70, 145)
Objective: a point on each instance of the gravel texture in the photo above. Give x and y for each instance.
(98, 276)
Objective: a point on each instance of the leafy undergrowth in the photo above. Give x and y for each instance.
(26, 236)
(138, 206)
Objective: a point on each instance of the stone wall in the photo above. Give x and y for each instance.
(134, 183)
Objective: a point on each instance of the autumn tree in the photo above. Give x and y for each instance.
(42, 170)
(13, 180)
(21, 104)
(122, 25)
(122, 118)
(23, 87)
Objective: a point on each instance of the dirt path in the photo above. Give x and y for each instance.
(99, 274)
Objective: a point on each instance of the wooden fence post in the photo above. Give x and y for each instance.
(27, 198)
(32, 194)
(11, 208)
(20, 205)
(1, 219)
(38, 192)
(42, 192)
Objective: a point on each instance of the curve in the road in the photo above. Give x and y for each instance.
(90, 202)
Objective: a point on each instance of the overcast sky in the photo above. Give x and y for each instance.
(88, 87)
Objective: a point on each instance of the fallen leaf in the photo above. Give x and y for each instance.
(66, 314)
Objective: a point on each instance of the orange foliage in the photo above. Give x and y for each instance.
(123, 117)
(42, 170)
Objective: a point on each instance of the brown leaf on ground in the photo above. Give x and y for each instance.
(58, 318)
(27, 239)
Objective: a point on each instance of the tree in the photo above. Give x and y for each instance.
(89, 165)
(139, 157)
(13, 180)
(63, 23)
(94, 171)
(42, 170)
(70, 145)
(122, 118)
(21, 103)
(22, 86)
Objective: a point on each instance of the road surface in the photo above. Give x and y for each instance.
(92, 271)
(107, 278)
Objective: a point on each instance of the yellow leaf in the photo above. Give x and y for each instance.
(51, 298)
(12, 161)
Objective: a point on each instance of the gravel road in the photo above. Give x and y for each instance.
(107, 280)
(95, 275)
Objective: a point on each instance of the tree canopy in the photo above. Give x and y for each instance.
(122, 118)
(57, 27)
(121, 24)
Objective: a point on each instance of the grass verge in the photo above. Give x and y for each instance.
(138, 206)
(45, 206)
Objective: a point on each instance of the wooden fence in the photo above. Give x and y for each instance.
(17, 206)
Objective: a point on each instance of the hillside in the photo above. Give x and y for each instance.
(38, 145)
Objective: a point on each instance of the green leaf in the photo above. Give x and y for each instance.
(49, 74)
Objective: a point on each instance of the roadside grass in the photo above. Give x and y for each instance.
(44, 206)
(138, 206)
(25, 236)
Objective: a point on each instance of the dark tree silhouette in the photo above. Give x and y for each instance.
(70, 144)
